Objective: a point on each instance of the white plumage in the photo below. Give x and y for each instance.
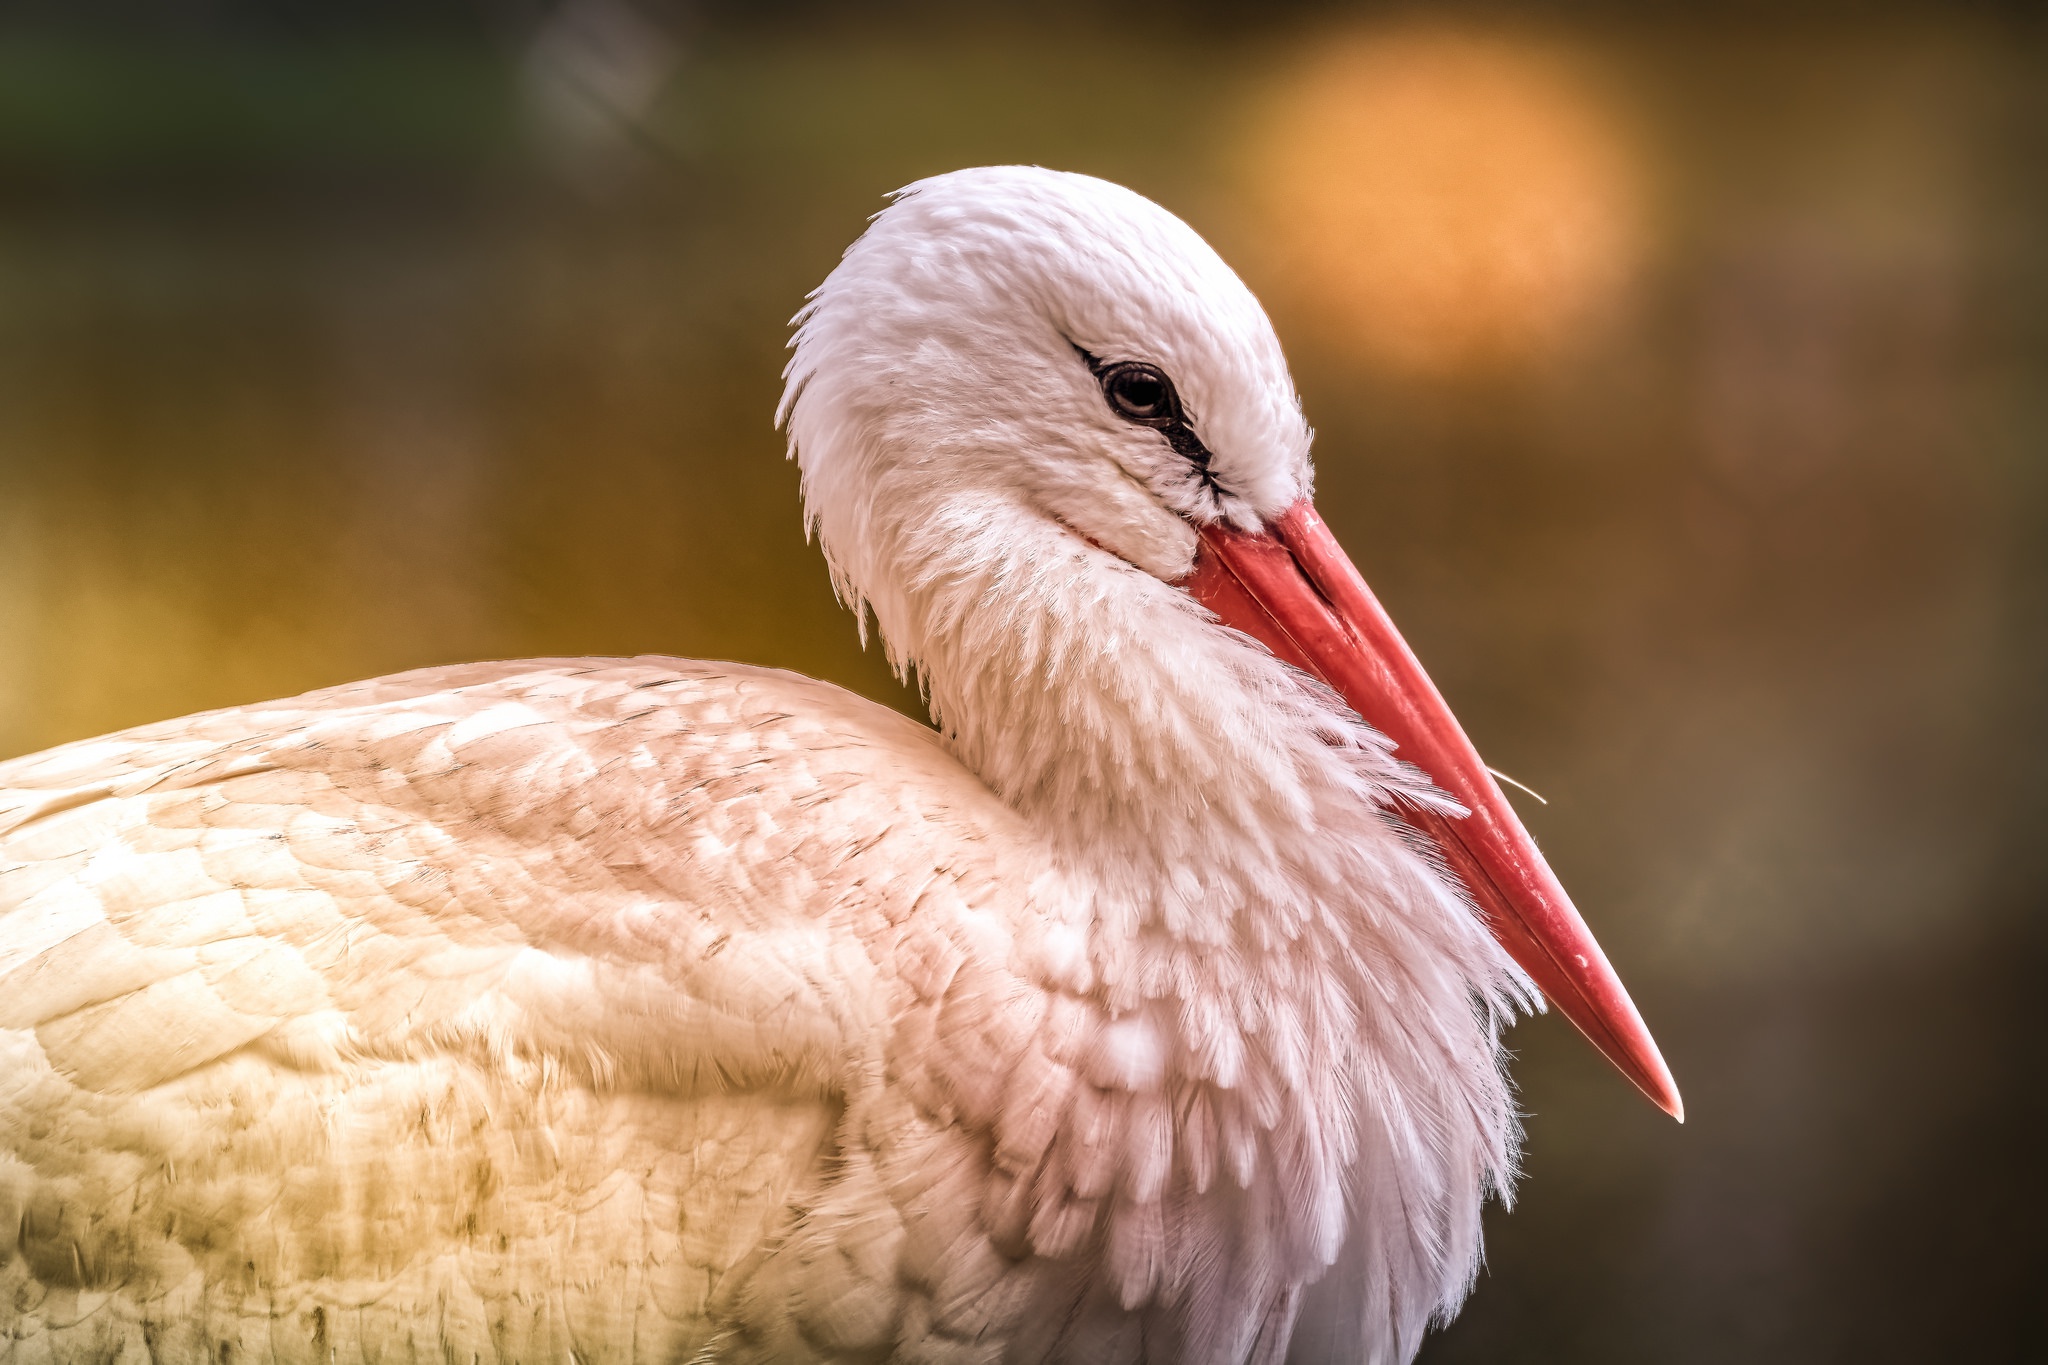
(652, 1010)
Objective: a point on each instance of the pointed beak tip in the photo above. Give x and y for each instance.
(1633, 1051)
(1654, 1079)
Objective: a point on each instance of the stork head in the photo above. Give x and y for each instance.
(1016, 365)
(1050, 341)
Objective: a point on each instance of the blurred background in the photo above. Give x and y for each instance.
(1681, 382)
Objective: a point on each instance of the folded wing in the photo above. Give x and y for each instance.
(507, 1007)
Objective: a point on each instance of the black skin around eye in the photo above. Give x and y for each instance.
(1143, 394)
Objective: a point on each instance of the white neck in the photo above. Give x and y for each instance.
(1250, 895)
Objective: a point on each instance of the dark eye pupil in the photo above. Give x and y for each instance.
(1141, 393)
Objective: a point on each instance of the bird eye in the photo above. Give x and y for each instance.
(1140, 393)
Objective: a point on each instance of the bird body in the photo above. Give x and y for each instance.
(515, 1007)
(660, 1010)
(502, 1008)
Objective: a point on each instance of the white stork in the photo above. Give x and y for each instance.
(647, 1010)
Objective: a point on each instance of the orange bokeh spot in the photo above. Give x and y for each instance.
(1436, 202)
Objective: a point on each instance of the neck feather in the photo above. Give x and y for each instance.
(1249, 890)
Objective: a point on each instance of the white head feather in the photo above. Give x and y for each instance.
(1249, 902)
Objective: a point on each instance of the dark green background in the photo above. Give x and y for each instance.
(316, 362)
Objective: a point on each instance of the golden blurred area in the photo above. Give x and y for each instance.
(1439, 199)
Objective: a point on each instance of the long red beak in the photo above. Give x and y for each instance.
(1294, 589)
